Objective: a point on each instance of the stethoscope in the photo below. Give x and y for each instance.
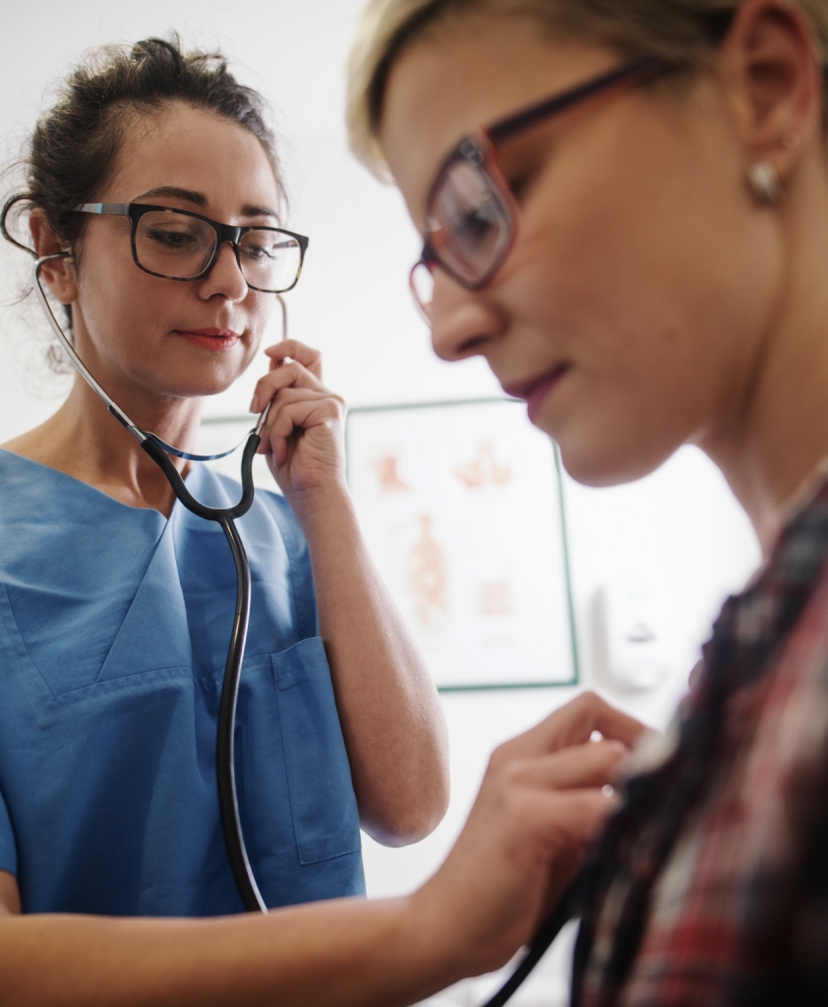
(160, 453)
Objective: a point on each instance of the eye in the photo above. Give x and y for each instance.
(171, 238)
(254, 252)
(255, 249)
(475, 225)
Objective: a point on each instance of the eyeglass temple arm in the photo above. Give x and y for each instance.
(505, 128)
(116, 209)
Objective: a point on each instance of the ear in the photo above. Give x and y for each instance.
(770, 62)
(59, 274)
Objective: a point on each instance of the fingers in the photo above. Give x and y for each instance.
(563, 796)
(302, 432)
(555, 824)
(594, 764)
(286, 375)
(302, 354)
(573, 724)
(514, 858)
(576, 722)
(298, 409)
(574, 817)
(609, 721)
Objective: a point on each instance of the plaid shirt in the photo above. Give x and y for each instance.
(710, 886)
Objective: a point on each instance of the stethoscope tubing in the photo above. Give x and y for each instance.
(160, 452)
(225, 734)
(563, 912)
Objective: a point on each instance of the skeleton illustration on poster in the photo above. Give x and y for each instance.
(460, 504)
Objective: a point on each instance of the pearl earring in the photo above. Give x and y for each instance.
(764, 182)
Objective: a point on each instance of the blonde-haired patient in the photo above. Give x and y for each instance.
(625, 212)
(646, 268)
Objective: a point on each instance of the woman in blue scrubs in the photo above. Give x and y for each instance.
(116, 603)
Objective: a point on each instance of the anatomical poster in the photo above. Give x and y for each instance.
(460, 504)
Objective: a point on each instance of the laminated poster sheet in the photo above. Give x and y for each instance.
(461, 507)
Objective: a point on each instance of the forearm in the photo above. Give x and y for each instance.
(543, 796)
(391, 717)
(334, 953)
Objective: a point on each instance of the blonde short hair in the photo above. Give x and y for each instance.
(684, 31)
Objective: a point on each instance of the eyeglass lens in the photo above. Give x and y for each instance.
(468, 221)
(179, 246)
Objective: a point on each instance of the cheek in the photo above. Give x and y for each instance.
(126, 308)
(112, 290)
(641, 217)
(260, 309)
(644, 278)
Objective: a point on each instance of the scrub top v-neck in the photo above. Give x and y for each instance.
(114, 623)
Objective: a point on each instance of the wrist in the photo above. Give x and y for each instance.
(317, 507)
(433, 949)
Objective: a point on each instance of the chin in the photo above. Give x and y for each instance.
(609, 439)
(606, 464)
(196, 385)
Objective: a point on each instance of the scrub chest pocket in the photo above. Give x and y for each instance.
(325, 817)
(125, 819)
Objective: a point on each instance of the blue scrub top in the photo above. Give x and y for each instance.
(114, 623)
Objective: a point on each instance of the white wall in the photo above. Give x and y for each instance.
(679, 528)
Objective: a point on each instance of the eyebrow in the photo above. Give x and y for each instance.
(199, 199)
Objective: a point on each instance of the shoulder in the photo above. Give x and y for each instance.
(39, 505)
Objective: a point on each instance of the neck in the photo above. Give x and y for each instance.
(85, 441)
(779, 431)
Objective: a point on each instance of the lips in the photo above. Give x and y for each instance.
(535, 390)
(217, 340)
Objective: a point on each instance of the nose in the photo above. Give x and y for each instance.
(462, 323)
(225, 277)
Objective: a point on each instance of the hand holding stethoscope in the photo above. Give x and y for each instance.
(302, 435)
